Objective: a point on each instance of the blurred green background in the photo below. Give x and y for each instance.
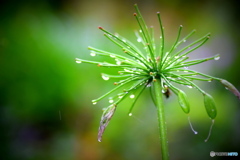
(45, 97)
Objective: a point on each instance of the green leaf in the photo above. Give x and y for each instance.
(210, 106)
(183, 101)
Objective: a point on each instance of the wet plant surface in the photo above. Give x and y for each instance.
(158, 68)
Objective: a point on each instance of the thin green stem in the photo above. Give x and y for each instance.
(161, 119)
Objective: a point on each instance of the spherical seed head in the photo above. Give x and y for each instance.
(134, 14)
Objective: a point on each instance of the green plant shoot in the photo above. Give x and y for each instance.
(156, 67)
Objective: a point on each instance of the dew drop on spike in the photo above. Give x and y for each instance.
(111, 101)
(105, 77)
(93, 54)
(189, 86)
(217, 58)
(78, 60)
(132, 96)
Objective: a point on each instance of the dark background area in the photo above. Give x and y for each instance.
(45, 97)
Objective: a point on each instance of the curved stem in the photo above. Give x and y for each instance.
(161, 119)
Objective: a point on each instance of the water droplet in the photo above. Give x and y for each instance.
(186, 67)
(120, 96)
(210, 130)
(149, 85)
(189, 86)
(113, 56)
(132, 96)
(160, 37)
(118, 62)
(185, 71)
(210, 80)
(217, 58)
(176, 57)
(93, 54)
(139, 39)
(195, 132)
(140, 31)
(105, 77)
(78, 61)
(226, 88)
(184, 40)
(164, 91)
(111, 100)
(127, 70)
(130, 114)
(94, 103)
(123, 40)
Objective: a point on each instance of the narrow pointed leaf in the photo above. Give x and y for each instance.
(183, 101)
(210, 106)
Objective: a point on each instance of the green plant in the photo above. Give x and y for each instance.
(156, 68)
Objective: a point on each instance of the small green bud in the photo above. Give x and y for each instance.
(183, 101)
(210, 105)
(230, 87)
